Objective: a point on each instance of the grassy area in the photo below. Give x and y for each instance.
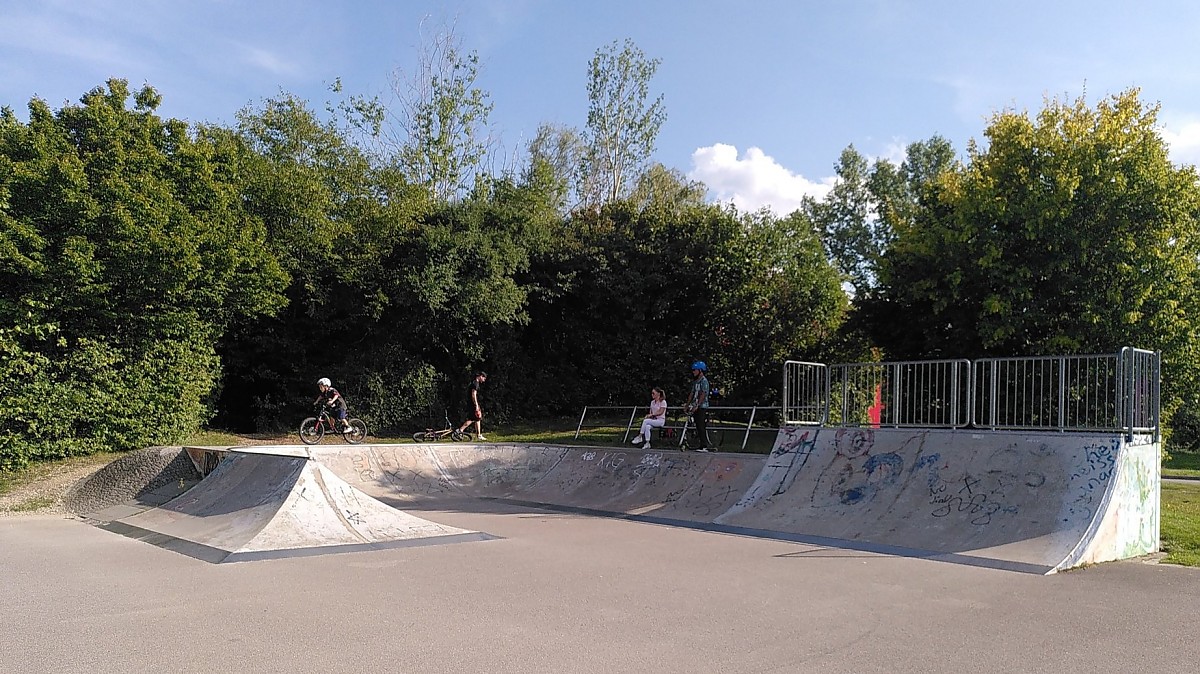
(36, 472)
(1181, 523)
(1182, 464)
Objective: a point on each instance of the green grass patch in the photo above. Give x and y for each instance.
(211, 437)
(40, 470)
(1182, 464)
(1181, 523)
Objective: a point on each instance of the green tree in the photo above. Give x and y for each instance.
(126, 256)
(438, 132)
(1071, 232)
(622, 123)
(860, 215)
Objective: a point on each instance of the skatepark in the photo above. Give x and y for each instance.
(868, 549)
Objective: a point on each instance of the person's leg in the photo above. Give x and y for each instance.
(643, 432)
(700, 417)
(647, 427)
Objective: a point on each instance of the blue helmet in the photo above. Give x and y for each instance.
(699, 365)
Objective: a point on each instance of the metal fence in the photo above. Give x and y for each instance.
(728, 427)
(1113, 392)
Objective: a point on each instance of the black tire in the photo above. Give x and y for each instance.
(311, 431)
(356, 432)
(420, 436)
(461, 436)
(715, 438)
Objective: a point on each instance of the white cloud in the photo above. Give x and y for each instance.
(1183, 140)
(269, 61)
(754, 180)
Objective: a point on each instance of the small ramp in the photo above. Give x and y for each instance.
(258, 505)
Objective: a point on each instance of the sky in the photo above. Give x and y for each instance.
(761, 96)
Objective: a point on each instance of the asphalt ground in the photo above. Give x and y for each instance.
(564, 593)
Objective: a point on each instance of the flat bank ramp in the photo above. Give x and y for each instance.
(263, 505)
(1025, 501)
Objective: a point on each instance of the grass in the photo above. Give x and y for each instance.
(1181, 523)
(1182, 464)
(38, 471)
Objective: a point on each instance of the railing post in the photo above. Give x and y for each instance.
(749, 425)
(580, 426)
(1125, 381)
(629, 426)
(787, 417)
(1062, 394)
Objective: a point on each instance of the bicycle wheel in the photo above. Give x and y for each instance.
(461, 436)
(311, 431)
(421, 436)
(356, 432)
(714, 439)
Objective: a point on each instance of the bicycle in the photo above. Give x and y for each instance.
(313, 429)
(434, 434)
(689, 439)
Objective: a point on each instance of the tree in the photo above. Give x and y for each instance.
(1071, 232)
(860, 215)
(845, 218)
(127, 255)
(662, 187)
(621, 125)
(438, 136)
(555, 154)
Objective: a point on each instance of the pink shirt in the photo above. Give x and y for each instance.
(657, 408)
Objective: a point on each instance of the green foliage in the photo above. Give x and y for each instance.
(441, 120)
(622, 125)
(126, 253)
(1071, 232)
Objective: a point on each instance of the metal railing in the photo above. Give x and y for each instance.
(926, 394)
(1112, 392)
(805, 392)
(719, 422)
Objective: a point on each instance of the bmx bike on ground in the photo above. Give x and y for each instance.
(435, 434)
(313, 429)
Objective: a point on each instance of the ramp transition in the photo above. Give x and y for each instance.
(1032, 502)
(271, 504)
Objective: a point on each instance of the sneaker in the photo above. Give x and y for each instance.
(647, 445)
(638, 440)
(481, 439)
(702, 449)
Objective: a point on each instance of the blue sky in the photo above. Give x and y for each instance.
(761, 96)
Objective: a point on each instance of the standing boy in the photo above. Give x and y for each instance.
(697, 404)
(474, 412)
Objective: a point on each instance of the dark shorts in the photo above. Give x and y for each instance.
(472, 414)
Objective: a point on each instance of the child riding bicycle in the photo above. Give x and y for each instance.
(329, 397)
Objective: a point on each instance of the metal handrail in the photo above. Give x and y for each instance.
(749, 428)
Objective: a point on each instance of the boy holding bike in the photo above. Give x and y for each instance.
(329, 397)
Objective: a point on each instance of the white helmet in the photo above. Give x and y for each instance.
(324, 381)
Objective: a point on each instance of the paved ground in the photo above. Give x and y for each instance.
(567, 593)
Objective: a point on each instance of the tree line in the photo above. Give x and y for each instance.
(157, 276)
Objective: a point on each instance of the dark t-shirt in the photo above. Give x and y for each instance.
(473, 387)
(331, 392)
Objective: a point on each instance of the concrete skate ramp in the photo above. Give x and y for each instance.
(1033, 502)
(1027, 501)
(263, 505)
